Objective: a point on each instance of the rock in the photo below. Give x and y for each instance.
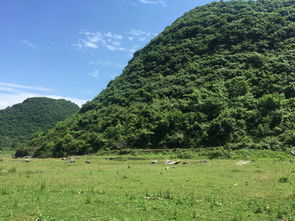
(203, 161)
(26, 160)
(293, 152)
(242, 162)
(71, 160)
(154, 162)
(171, 162)
(64, 158)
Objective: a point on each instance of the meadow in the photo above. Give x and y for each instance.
(129, 187)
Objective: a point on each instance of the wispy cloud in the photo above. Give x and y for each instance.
(137, 32)
(9, 86)
(127, 42)
(94, 74)
(95, 40)
(107, 64)
(11, 94)
(153, 2)
(27, 43)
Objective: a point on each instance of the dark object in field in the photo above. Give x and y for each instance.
(71, 160)
(185, 162)
(87, 161)
(171, 162)
(154, 162)
(112, 158)
(293, 152)
(203, 161)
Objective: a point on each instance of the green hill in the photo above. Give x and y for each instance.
(19, 122)
(221, 75)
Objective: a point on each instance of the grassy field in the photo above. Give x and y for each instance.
(131, 188)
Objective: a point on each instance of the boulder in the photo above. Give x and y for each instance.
(71, 160)
(243, 162)
(171, 162)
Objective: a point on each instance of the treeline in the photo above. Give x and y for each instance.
(221, 75)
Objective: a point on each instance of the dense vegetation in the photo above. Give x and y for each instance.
(19, 122)
(221, 75)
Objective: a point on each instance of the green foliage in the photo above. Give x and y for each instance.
(221, 75)
(19, 122)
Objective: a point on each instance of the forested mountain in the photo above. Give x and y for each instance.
(221, 75)
(19, 122)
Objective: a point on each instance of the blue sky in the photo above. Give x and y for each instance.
(72, 48)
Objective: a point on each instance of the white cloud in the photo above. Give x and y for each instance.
(126, 43)
(153, 2)
(27, 44)
(94, 74)
(137, 32)
(90, 44)
(11, 94)
(107, 40)
(140, 35)
(10, 86)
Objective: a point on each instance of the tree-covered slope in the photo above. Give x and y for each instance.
(221, 75)
(19, 122)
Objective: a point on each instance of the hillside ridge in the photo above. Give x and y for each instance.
(221, 75)
(19, 122)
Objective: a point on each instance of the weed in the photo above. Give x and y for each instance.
(185, 155)
(42, 186)
(12, 170)
(88, 200)
(41, 217)
(4, 191)
(194, 216)
(283, 179)
(282, 215)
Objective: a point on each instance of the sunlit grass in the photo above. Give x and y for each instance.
(51, 189)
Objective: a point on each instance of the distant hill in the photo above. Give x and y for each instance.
(222, 75)
(19, 122)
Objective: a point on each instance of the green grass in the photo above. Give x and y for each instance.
(127, 188)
